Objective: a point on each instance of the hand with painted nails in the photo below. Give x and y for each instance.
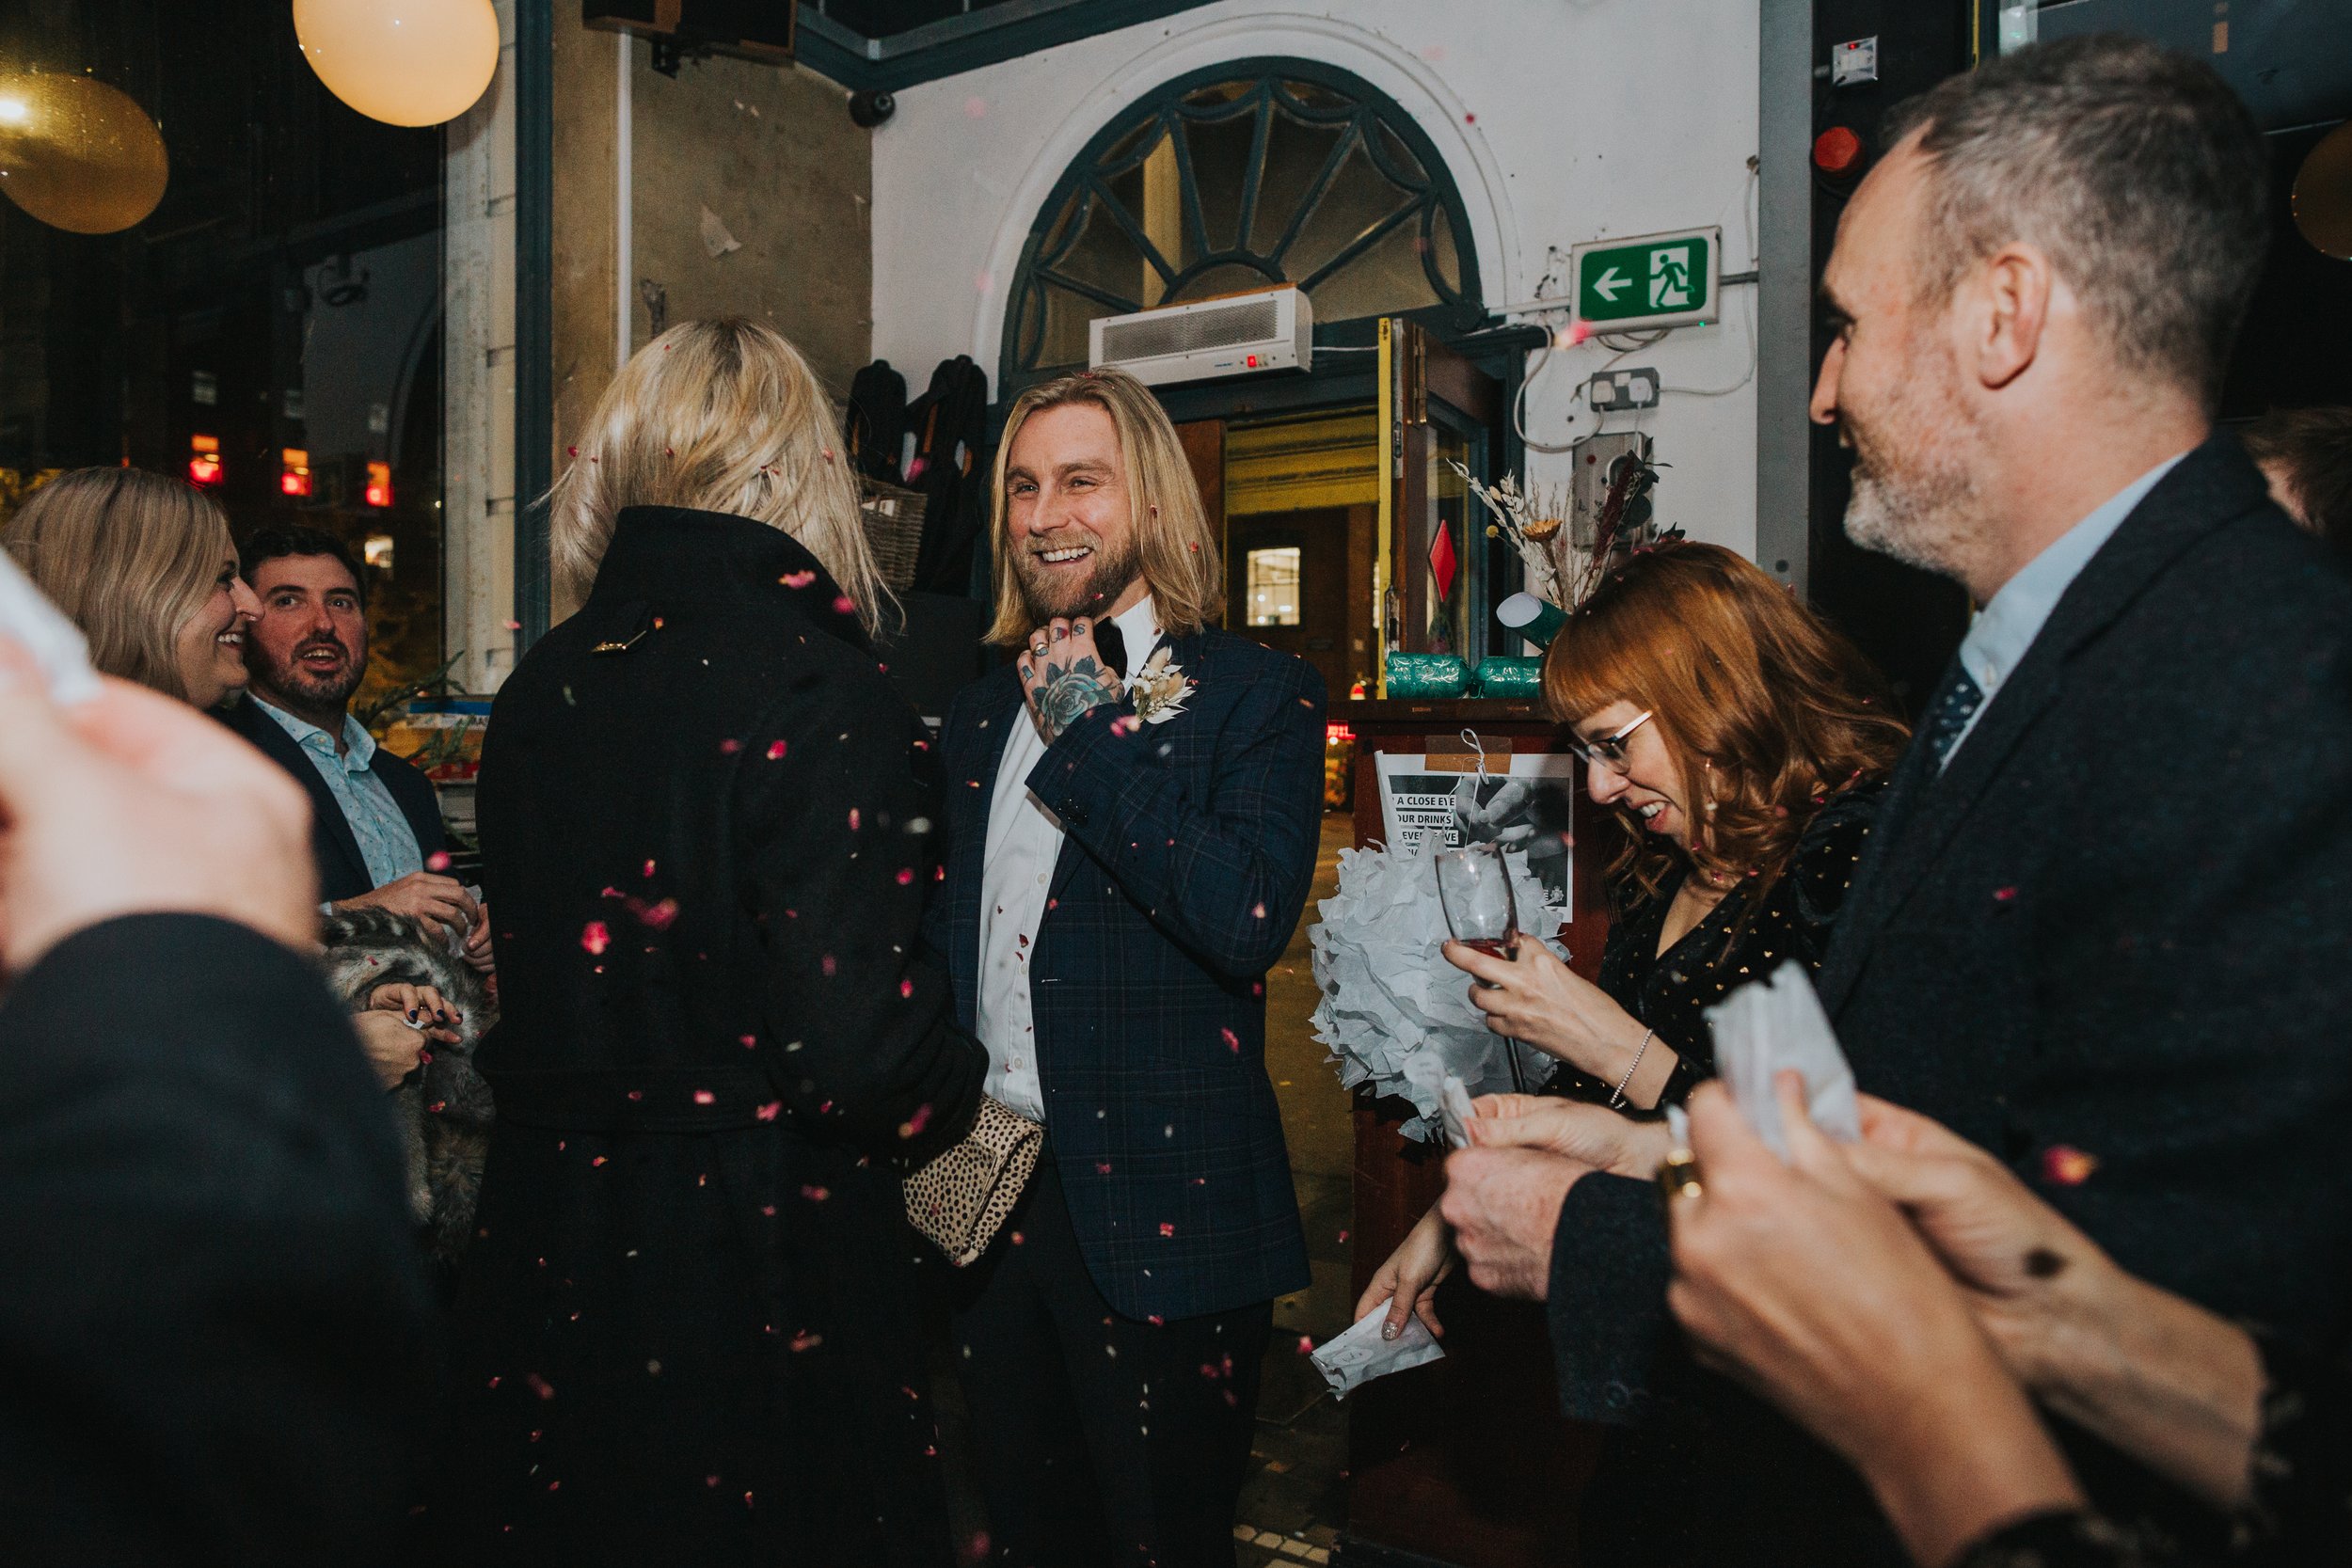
(1408, 1283)
(423, 1009)
(1063, 675)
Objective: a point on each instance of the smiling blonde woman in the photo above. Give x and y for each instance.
(145, 566)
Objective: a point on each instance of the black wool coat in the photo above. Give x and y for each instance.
(686, 1329)
(214, 1337)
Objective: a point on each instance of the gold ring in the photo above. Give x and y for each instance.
(1679, 1176)
(1039, 649)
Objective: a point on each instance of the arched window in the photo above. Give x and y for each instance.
(1259, 172)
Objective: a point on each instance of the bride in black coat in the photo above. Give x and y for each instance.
(686, 1329)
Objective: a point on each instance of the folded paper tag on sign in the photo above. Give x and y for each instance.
(1348, 1361)
(1769, 1027)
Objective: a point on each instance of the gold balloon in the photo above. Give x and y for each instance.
(79, 154)
(406, 62)
(2323, 194)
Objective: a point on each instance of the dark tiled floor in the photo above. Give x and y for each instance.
(1296, 1500)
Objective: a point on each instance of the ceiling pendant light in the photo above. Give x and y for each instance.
(78, 154)
(405, 62)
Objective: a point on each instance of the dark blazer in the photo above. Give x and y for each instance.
(2115, 924)
(707, 833)
(1190, 846)
(214, 1333)
(342, 871)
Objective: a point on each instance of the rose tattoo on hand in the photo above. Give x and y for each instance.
(1062, 675)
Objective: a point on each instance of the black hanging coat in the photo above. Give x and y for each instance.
(686, 1330)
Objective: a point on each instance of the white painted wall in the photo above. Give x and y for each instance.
(1561, 120)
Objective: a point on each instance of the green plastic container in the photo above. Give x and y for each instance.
(1425, 676)
(1517, 676)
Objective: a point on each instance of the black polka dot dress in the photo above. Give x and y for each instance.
(1738, 941)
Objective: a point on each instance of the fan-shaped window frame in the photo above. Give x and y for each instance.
(1432, 194)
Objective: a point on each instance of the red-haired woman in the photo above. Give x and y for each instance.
(1740, 746)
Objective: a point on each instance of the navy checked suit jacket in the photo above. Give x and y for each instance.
(1188, 850)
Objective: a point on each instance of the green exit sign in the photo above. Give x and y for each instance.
(1654, 280)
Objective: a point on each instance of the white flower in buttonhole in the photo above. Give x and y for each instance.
(1158, 689)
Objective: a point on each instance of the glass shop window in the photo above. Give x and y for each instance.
(1273, 578)
(241, 285)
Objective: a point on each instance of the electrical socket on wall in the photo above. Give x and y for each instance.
(1613, 391)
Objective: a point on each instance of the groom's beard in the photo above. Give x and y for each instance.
(1049, 595)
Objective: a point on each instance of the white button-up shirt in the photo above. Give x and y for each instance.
(1023, 843)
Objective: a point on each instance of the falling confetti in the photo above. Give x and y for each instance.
(797, 579)
(768, 1111)
(438, 861)
(775, 751)
(596, 937)
(915, 1123)
(2067, 1166)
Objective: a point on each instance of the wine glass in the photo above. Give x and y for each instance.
(1475, 890)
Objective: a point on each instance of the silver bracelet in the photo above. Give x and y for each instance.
(1616, 1096)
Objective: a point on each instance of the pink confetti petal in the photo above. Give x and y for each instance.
(2067, 1166)
(596, 937)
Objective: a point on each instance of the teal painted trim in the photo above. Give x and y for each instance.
(534, 312)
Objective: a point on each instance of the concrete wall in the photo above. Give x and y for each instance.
(768, 150)
(1561, 121)
(771, 154)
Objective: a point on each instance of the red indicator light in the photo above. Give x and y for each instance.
(1253, 361)
(204, 469)
(379, 490)
(1837, 150)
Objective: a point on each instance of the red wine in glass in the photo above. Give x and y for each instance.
(1505, 949)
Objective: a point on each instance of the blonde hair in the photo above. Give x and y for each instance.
(1175, 544)
(130, 556)
(716, 416)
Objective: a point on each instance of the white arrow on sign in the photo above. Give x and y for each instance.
(1608, 283)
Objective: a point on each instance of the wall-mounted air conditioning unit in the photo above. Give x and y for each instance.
(1238, 334)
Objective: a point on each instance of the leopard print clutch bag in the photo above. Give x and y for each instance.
(961, 1198)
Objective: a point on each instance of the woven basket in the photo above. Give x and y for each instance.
(894, 527)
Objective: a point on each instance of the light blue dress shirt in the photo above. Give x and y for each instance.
(387, 843)
(1998, 641)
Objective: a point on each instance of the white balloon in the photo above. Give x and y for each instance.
(406, 62)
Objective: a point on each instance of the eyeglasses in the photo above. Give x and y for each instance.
(1609, 750)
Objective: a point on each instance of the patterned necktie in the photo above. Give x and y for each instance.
(1954, 706)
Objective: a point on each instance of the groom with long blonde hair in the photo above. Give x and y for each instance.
(1133, 816)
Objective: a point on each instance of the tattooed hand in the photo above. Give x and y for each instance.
(1062, 675)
